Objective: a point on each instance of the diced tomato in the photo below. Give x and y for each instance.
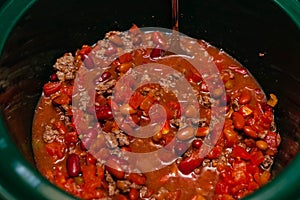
(245, 110)
(67, 89)
(147, 103)
(257, 157)
(85, 50)
(71, 137)
(222, 188)
(60, 126)
(136, 99)
(55, 149)
(126, 57)
(240, 152)
(51, 88)
(215, 152)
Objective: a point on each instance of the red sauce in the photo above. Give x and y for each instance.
(238, 164)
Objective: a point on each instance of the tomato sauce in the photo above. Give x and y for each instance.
(88, 164)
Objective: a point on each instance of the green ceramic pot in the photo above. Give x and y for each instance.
(34, 33)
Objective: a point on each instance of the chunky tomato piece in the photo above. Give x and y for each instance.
(238, 151)
(55, 149)
(257, 157)
(136, 99)
(126, 57)
(51, 88)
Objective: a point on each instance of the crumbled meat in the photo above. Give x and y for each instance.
(267, 163)
(123, 185)
(122, 138)
(105, 86)
(111, 140)
(143, 191)
(205, 101)
(50, 134)
(65, 67)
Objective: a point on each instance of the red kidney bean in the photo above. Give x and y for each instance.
(134, 194)
(71, 137)
(138, 179)
(188, 164)
(202, 131)
(106, 75)
(116, 40)
(103, 112)
(90, 159)
(197, 144)
(180, 148)
(185, 133)
(115, 169)
(238, 120)
(88, 62)
(73, 165)
(245, 97)
(250, 132)
(156, 53)
(51, 88)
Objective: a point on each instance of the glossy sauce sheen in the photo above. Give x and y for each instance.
(232, 169)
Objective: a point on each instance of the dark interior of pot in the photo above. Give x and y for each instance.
(260, 35)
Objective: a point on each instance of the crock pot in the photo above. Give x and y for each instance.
(34, 33)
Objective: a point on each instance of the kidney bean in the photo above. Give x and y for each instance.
(197, 143)
(188, 164)
(250, 132)
(202, 131)
(185, 133)
(103, 112)
(88, 62)
(114, 168)
(245, 97)
(191, 111)
(231, 136)
(51, 88)
(134, 194)
(138, 179)
(105, 75)
(157, 137)
(156, 53)
(238, 120)
(90, 159)
(261, 144)
(116, 40)
(180, 148)
(73, 165)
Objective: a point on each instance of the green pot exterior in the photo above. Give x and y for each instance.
(19, 180)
